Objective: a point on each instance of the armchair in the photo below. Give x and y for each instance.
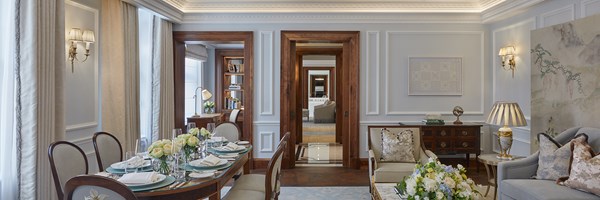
(325, 113)
(514, 177)
(392, 172)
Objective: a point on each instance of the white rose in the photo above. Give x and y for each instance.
(430, 184)
(411, 186)
(449, 182)
(439, 195)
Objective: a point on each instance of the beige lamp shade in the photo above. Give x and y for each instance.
(206, 95)
(88, 36)
(506, 114)
(75, 34)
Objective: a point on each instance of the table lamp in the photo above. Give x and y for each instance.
(205, 96)
(506, 114)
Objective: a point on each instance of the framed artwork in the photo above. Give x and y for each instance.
(434, 76)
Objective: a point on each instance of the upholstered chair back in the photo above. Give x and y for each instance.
(592, 133)
(108, 149)
(87, 187)
(273, 175)
(67, 160)
(233, 116)
(375, 139)
(229, 130)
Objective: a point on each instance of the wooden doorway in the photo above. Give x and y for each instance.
(347, 88)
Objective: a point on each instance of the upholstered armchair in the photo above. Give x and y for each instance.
(393, 172)
(325, 113)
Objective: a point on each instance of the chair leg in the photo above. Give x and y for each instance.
(487, 191)
(495, 192)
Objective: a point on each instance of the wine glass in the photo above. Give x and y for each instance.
(190, 126)
(129, 168)
(210, 127)
(175, 133)
(142, 147)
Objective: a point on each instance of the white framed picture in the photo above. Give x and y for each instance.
(435, 76)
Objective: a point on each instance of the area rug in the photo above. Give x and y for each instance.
(320, 193)
(321, 153)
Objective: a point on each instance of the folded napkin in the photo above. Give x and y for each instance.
(135, 161)
(139, 178)
(232, 146)
(218, 139)
(210, 160)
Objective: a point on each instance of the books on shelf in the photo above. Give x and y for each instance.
(235, 87)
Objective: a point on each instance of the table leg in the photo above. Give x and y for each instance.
(468, 158)
(216, 196)
(494, 169)
(487, 170)
(477, 157)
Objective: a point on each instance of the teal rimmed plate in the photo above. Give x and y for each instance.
(122, 171)
(168, 181)
(188, 167)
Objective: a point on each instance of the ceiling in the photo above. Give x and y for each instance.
(333, 6)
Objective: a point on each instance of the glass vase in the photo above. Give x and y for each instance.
(161, 165)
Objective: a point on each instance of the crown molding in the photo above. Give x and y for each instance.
(506, 9)
(164, 8)
(237, 18)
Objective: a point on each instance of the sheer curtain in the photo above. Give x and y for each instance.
(162, 79)
(8, 180)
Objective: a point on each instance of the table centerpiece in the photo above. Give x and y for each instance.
(434, 180)
(189, 143)
(161, 150)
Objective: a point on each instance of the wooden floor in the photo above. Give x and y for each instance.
(337, 176)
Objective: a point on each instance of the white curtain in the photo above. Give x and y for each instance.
(39, 109)
(120, 71)
(8, 180)
(162, 83)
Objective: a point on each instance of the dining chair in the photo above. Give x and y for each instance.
(67, 160)
(233, 116)
(229, 130)
(90, 186)
(108, 149)
(248, 186)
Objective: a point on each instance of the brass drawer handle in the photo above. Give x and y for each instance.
(465, 132)
(443, 133)
(443, 144)
(465, 144)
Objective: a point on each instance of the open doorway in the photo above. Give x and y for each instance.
(318, 143)
(344, 46)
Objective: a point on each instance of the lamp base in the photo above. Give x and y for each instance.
(505, 142)
(196, 115)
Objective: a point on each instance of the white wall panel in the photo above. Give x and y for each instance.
(464, 44)
(560, 15)
(265, 67)
(372, 75)
(589, 8)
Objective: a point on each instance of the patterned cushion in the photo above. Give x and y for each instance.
(397, 147)
(585, 168)
(554, 158)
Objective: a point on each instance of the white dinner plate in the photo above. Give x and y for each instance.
(198, 163)
(223, 150)
(161, 177)
(243, 142)
(204, 174)
(229, 155)
(117, 165)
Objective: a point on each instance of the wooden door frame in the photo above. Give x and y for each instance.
(179, 38)
(348, 106)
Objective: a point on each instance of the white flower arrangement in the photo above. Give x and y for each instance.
(162, 149)
(189, 143)
(435, 180)
(205, 133)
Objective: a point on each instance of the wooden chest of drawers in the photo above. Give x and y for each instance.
(451, 139)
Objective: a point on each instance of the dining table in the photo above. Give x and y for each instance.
(199, 188)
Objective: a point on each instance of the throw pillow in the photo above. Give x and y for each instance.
(397, 147)
(585, 169)
(554, 159)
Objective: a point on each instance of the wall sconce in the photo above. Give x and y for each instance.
(507, 53)
(76, 36)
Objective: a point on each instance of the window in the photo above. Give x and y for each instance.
(193, 79)
(145, 43)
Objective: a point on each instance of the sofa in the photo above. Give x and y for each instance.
(325, 113)
(515, 177)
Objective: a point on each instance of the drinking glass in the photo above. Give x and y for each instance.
(190, 126)
(175, 133)
(210, 127)
(130, 168)
(142, 147)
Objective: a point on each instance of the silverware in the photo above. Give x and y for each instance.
(180, 185)
(172, 186)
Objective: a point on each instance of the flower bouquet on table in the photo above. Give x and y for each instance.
(205, 133)
(189, 143)
(435, 180)
(161, 150)
(209, 107)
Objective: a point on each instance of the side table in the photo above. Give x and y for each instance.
(491, 164)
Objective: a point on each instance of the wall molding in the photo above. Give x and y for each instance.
(162, 8)
(506, 10)
(377, 57)
(266, 60)
(82, 141)
(80, 126)
(585, 4)
(567, 8)
(445, 112)
(266, 137)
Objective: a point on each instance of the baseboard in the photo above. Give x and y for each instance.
(260, 163)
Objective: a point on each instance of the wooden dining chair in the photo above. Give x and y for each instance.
(228, 130)
(89, 186)
(233, 116)
(108, 149)
(248, 186)
(67, 160)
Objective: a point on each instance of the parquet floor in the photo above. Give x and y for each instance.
(337, 176)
